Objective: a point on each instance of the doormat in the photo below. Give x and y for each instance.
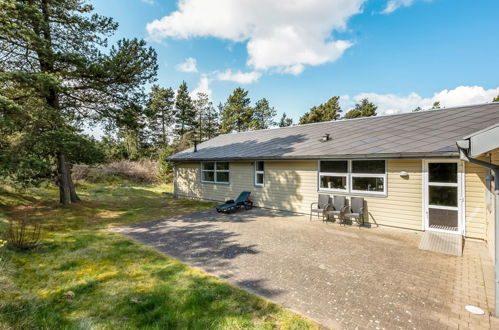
(442, 243)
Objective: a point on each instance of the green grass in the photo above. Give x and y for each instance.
(117, 282)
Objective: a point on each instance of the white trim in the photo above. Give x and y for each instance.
(215, 171)
(349, 175)
(256, 172)
(460, 196)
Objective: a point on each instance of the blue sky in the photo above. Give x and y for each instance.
(399, 53)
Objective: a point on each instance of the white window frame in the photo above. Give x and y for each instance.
(345, 175)
(259, 172)
(349, 176)
(215, 171)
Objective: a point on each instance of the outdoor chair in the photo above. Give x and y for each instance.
(338, 208)
(242, 201)
(356, 210)
(320, 207)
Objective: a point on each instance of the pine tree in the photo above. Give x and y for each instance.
(207, 117)
(160, 114)
(417, 109)
(263, 115)
(56, 52)
(186, 119)
(285, 121)
(236, 114)
(324, 112)
(210, 122)
(362, 109)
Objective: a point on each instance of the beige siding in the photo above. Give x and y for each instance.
(489, 210)
(293, 186)
(475, 200)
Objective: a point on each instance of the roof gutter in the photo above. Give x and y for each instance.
(450, 154)
(466, 146)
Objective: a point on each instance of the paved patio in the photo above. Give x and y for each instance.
(342, 277)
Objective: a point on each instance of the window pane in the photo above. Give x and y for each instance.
(259, 178)
(443, 196)
(443, 172)
(209, 176)
(334, 166)
(222, 165)
(209, 166)
(333, 182)
(259, 166)
(222, 176)
(368, 184)
(368, 166)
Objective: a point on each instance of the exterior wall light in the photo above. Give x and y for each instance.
(404, 174)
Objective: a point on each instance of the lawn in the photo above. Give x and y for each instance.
(115, 282)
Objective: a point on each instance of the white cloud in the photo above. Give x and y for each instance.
(202, 87)
(393, 5)
(189, 65)
(391, 103)
(239, 77)
(281, 35)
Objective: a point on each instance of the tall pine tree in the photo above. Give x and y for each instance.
(186, 119)
(207, 117)
(56, 51)
(160, 114)
(236, 114)
(263, 115)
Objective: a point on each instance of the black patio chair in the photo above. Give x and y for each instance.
(242, 201)
(356, 210)
(338, 208)
(321, 206)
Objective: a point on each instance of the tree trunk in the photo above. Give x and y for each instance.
(64, 179)
(72, 190)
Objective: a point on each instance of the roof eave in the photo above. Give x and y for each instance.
(449, 154)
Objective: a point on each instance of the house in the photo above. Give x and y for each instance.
(406, 166)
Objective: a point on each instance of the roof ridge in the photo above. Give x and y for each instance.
(364, 118)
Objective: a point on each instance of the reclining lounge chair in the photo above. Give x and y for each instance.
(233, 205)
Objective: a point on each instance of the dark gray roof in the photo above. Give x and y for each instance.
(417, 134)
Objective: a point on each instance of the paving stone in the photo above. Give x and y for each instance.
(342, 277)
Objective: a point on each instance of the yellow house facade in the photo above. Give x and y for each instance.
(407, 168)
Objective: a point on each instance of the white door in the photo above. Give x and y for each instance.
(443, 194)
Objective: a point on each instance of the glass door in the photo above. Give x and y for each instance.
(443, 196)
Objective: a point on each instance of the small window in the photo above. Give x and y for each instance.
(259, 173)
(368, 166)
(340, 166)
(215, 172)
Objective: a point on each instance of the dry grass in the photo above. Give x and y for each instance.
(141, 171)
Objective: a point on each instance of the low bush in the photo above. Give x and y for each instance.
(141, 171)
(23, 235)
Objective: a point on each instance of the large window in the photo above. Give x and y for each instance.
(215, 172)
(353, 176)
(259, 173)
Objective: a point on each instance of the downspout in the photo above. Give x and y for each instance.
(464, 147)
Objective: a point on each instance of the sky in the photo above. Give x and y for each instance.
(400, 54)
